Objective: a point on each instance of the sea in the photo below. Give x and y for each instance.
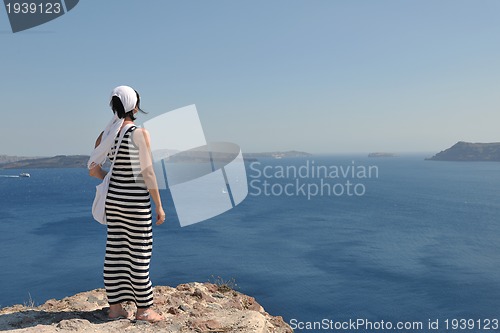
(340, 243)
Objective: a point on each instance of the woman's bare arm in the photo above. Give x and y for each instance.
(142, 140)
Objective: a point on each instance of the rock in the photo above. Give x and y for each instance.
(206, 325)
(218, 295)
(201, 295)
(173, 311)
(212, 288)
(192, 307)
(183, 308)
(92, 299)
(251, 304)
(73, 325)
(467, 151)
(214, 306)
(197, 293)
(183, 287)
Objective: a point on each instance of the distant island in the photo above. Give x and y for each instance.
(9, 159)
(59, 161)
(277, 154)
(80, 161)
(467, 151)
(380, 154)
(201, 155)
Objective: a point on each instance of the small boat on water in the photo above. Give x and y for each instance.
(278, 155)
(24, 174)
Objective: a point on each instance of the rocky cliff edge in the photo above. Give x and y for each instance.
(192, 307)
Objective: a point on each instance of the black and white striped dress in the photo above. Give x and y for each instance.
(130, 239)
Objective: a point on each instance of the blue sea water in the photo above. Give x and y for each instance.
(421, 242)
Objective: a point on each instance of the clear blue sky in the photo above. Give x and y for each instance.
(322, 76)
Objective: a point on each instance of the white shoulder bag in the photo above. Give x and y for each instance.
(101, 190)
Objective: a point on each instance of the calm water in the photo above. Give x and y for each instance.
(421, 243)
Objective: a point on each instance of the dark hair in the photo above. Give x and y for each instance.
(117, 107)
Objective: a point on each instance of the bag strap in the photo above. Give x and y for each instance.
(124, 130)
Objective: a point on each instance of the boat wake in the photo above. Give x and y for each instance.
(21, 175)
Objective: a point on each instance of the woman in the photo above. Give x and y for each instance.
(128, 208)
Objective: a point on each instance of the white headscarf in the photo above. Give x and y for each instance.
(128, 98)
(127, 95)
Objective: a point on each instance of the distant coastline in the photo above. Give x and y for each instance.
(461, 151)
(469, 152)
(10, 159)
(80, 161)
(277, 154)
(59, 161)
(381, 154)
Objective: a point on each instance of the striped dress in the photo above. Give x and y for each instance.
(130, 239)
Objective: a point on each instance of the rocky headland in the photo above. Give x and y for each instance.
(467, 151)
(191, 307)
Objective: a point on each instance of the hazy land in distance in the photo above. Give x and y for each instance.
(469, 152)
(80, 161)
(461, 151)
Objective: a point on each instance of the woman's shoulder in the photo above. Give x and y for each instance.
(141, 135)
(140, 130)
